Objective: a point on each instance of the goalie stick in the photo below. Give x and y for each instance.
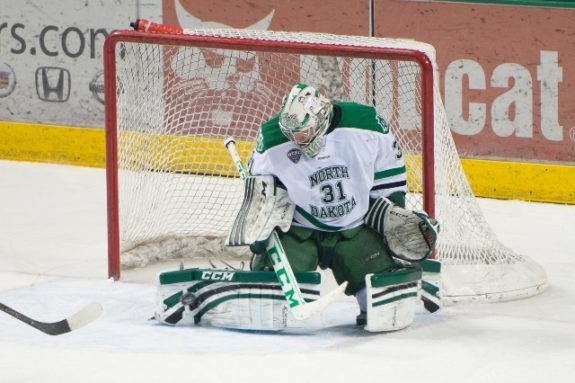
(81, 318)
(298, 306)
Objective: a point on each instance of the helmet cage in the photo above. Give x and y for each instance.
(305, 110)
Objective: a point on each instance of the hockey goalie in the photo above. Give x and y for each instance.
(325, 187)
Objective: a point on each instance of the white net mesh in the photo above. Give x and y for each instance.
(178, 191)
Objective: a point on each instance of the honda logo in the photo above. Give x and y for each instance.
(53, 84)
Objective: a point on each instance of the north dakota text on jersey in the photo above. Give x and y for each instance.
(329, 173)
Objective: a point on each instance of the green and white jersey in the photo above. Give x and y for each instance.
(359, 158)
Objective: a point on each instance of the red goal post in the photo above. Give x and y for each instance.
(172, 95)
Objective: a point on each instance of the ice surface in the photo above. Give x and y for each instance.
(53, 262)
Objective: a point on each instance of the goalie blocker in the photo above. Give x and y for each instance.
(253, 300)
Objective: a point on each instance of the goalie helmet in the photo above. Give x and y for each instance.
(305, 117)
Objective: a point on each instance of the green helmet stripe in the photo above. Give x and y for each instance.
(305, 120)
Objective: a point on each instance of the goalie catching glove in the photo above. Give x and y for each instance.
(410, 235)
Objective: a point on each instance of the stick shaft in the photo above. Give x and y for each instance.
(274, 247)
(298, 306)
(81, 318)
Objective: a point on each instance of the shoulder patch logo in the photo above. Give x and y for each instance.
(260, 142)
(384, 126)
(294, 155)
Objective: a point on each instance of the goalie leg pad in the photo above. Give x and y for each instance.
(392, 299)
(231, 299)
(430, 292)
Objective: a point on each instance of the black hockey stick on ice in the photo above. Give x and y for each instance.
(87, 315)
(298, 306)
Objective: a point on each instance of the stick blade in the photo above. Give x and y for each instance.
(79, 319)
(311, 308)
(85, 316)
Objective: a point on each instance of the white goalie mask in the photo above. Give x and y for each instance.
(305, 118)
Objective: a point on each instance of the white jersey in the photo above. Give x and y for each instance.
(359, 159)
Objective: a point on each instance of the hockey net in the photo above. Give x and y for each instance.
(173, 96)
